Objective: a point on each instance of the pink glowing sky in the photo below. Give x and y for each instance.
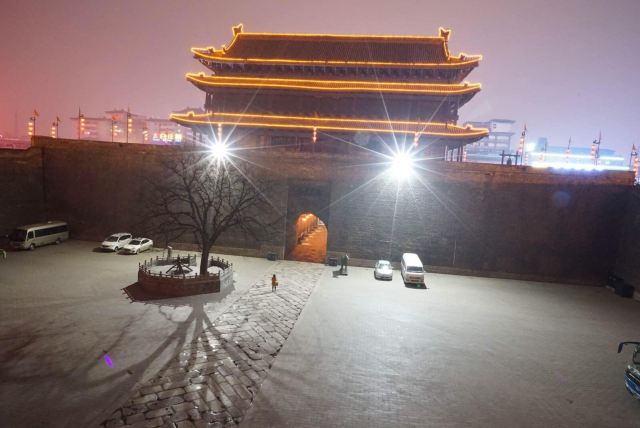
(567, 68)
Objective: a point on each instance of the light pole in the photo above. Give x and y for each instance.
(521, 145)
(54, 127)
(633, 161)
(129, 124)
(80, 124)
(113, 126)
(31, 129)
(595, 149)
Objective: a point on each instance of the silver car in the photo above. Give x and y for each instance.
(383, 270)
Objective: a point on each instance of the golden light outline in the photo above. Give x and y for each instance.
(443, 38)
(238, 31)
(326, 85)
(472, 60)
(336, 119)
(201, 119)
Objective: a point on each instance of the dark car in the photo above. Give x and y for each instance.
(632, 374)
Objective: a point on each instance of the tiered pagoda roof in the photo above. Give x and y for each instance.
(336, 83)
(324, 49)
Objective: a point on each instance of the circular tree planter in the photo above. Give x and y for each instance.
(174, 277)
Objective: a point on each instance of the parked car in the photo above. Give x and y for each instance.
(412, 270)
(383, 270)
(35, 235)
(632, 374)
(137, 245)
(116, 241)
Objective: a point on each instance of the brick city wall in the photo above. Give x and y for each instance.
(628, 260)
(465, 218)
(21, 188)
(515, 224)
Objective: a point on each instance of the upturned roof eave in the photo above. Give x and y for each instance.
(207, 83)
(222, 58)
(432, 129)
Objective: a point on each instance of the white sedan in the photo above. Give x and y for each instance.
(383, 270)
(116, 241)
(137, 245)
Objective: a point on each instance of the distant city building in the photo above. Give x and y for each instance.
(489, 149)
(14, 143)
(542, 155)
(538, 153)
(121, 126)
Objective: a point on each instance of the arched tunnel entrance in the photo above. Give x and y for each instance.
(311, 239)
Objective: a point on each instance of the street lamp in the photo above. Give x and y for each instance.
(31, 126)
(521, 150)
(54, 127)
(113, 126)
(401, 165)
(218, 151)
(80, 124)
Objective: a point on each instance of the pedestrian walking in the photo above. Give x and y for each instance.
(274, 283)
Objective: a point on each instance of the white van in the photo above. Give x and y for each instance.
(37, 235)
(411, 269)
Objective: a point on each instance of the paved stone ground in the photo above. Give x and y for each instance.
(214, 379)
(467, 352)
(63, 306)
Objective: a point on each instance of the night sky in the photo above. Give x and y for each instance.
(566, 67)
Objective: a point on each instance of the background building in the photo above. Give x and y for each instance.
(122, 126)
(14, 143)
(541, 154)
(488, 149)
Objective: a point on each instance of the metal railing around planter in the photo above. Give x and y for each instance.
(188, 261)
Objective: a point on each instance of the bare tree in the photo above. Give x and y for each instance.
(204, 196)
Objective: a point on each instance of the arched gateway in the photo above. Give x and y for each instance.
(310, 239)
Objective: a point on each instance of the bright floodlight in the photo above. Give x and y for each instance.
(401, 166)
(219, 151)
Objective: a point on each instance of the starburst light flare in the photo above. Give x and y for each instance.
(401, 165)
